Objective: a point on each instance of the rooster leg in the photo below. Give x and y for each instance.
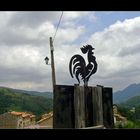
(85, 83)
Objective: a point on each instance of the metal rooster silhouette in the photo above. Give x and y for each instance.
(78, 67)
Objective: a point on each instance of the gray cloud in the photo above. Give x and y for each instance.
(33, 19)
(132, 50)
(24, 43)
(117, 52)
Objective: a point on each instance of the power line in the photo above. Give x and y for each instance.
(57, 26)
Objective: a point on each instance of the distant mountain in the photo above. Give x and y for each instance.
(11, 100)
(36, 93)
(129, 92)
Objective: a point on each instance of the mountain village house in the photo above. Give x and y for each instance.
(16, 120)
(46, 120)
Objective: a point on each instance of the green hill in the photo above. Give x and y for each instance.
(131, 108)
(10, 100)
(43, 94)
(132, 102)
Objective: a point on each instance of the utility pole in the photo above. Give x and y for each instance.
(52, 63)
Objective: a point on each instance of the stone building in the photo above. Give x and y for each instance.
(16, 120)
(46, 121)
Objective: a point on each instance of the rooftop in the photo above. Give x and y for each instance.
(23, 114)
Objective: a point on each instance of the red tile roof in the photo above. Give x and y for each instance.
(23, 114)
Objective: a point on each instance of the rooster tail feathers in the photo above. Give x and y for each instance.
(76, 65)
(70, 67)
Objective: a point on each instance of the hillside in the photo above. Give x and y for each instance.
(36, 93)
(129, 92)
(132, 102)
(10, 100)
(131, 109)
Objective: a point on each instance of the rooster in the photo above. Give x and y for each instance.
(78, 67)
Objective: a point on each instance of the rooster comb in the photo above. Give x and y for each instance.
(84, 49)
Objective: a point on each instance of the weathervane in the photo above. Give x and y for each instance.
(78, 67)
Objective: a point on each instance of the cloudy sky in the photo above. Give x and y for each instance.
(24, 43)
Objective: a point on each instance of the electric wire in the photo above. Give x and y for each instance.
(57, 26)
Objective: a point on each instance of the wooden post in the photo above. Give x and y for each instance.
(108, 118)
(52, 63)
(97, 106)
(63, 107)
(88, 107)
(75, 108)
(79, 106)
